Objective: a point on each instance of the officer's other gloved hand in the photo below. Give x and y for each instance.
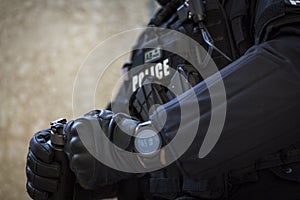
(42, 171)
(82, 138)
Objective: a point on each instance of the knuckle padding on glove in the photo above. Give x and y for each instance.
(42, 151)
(82, 161)
(81, 135)
(35, 193)
(51, 170)
(41, 183)
(76, 146)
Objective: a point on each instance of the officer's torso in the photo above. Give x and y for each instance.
(234, 26)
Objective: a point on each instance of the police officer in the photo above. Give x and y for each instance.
(255, 44)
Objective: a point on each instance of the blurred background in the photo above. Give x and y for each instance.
(42, 45)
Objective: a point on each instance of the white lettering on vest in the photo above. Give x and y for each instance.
(159, 70)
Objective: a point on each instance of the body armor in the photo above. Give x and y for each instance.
(246, 23)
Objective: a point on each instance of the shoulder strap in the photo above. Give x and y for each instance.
(240, 18)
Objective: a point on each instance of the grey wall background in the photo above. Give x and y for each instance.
(42, 44)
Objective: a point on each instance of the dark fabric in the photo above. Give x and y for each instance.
(274, 183)
(164, 185)
(130, 189)
(257, 87)
(266, 12)
(163, 2)
(272, 15)
(168, 10)
(263, 109)
(240, 15)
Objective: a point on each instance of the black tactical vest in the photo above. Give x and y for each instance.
(234, 26)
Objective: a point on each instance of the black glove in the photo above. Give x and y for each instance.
(90, 172)
(42, 171)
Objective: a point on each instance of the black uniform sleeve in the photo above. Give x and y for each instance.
(263, 109)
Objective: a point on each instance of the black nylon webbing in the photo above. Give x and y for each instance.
(164, 185)
(194, 186)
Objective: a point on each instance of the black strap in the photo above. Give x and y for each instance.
(194, 186)
(249, 174)
(176, 186)
(240, 21)
(167, 11)
(164, 185)
(278, 159)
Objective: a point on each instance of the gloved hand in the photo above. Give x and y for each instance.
(42, 171)
(90, 172)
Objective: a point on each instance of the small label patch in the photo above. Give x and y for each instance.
(152, 55)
